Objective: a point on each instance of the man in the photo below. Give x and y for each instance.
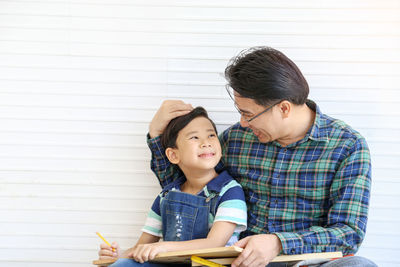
(306, 176)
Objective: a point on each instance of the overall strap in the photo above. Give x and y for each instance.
(213, 200)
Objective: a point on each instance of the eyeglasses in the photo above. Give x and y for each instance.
(255, 116)
(246, 118)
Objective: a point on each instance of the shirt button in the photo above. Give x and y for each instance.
(276, 201)
(278, 175)
(285, 150)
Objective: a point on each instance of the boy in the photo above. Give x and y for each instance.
(201, 209)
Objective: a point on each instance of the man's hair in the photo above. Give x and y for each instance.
(266, 76)
(170, 134)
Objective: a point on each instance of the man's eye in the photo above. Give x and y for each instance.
(245, 115)
(194, 137)
(212, 135)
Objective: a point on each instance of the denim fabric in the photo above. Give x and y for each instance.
(278, 264)
(185, 216)
(132, 263)
(354, 261)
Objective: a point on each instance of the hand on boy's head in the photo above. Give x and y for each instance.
(106, 252)
(168, 110)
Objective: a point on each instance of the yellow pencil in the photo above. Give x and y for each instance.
(205, 262)
(105, 241)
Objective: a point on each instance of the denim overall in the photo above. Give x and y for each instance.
(184, 216)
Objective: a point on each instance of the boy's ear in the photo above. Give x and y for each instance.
(172, 155)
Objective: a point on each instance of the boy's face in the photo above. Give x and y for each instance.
(198, 146)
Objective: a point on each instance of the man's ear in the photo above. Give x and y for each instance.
(285, 108)
(172, 155)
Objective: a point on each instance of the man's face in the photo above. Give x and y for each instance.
(266, 126)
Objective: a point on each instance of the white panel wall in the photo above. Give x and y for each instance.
(81, 80)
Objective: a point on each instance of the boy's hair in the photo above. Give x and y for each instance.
(168, 138)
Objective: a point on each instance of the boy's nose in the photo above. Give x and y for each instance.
(205, 144)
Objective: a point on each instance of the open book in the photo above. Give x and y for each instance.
(224, 255)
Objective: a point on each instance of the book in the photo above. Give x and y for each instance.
(223, 255)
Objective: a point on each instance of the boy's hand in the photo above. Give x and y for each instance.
(106, 252)
(147, 252)
(168, 110)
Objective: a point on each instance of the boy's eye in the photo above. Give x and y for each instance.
(194, 137)
(212, 135)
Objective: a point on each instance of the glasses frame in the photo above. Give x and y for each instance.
(241, 113)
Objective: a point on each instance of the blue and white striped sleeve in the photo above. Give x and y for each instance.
(153, 224)
(232, 206)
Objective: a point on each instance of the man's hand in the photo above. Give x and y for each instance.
(258, 251)
(169, 110)
(147, 252)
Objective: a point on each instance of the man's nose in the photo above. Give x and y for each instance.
(243, 122)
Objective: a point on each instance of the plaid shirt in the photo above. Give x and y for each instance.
(313, 194)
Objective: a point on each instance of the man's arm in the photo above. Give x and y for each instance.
(160, 165)
(347, 216)
(346, 219)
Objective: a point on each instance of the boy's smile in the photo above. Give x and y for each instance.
(207, 155)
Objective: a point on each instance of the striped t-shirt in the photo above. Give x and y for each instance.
(231, 207)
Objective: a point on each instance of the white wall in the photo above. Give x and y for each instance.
(80, 81)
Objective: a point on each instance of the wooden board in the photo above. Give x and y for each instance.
(226, 253)
(184, 256)
(283, 258)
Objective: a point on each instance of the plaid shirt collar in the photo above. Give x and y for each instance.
(318, 130)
